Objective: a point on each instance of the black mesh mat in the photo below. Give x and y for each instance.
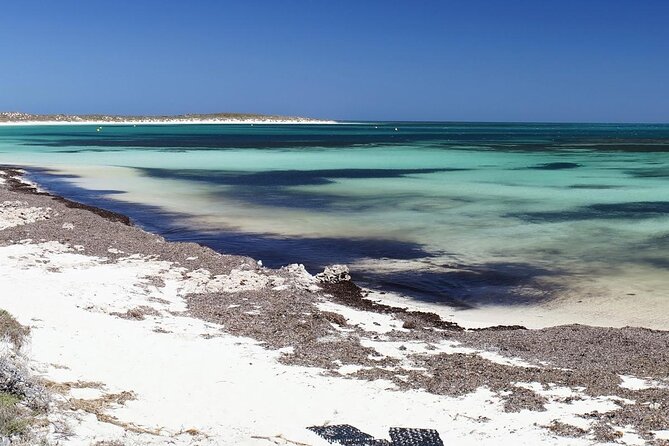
(415, 437)
(347, 435)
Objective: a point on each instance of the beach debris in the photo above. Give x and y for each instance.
(334, 274)
(345, 434)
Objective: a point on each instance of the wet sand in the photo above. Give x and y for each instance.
(145, 300)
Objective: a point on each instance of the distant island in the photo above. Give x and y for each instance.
(20, 118)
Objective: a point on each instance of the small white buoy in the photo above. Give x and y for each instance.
(395, 128)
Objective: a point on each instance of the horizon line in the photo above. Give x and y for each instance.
(346, 120)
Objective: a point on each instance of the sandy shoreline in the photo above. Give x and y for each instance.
(171, 122)
(106, 123)
(215, 349)
(30, 119)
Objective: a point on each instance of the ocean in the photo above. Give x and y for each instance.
(464, 214)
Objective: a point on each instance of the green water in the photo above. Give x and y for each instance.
(473, 214)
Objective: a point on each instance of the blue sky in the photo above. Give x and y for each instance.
(540, 60)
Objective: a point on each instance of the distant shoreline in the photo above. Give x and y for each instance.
(175, 122)
(27, 119)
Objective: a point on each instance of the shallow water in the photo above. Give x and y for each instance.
(468, 214)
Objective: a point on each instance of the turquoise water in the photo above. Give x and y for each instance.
(467, 214)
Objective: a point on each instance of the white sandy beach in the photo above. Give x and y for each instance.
(165, 377)
(194, 384)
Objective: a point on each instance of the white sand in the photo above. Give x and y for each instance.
(228, 389)
(634, 383)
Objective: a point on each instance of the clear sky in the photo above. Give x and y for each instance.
(506, 60)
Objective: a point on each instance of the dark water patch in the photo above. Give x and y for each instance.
(277, 188)
(640, 146)
(274, 178)
(555, 166)
(502, 144)
(638, 210)
(593, 186)
(314, 252)
(296, 199)
(291, 198)
(89, 150)
(659, 172)
(493, 283)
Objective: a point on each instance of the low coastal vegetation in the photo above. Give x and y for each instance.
(11, 330)
(23, 400)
